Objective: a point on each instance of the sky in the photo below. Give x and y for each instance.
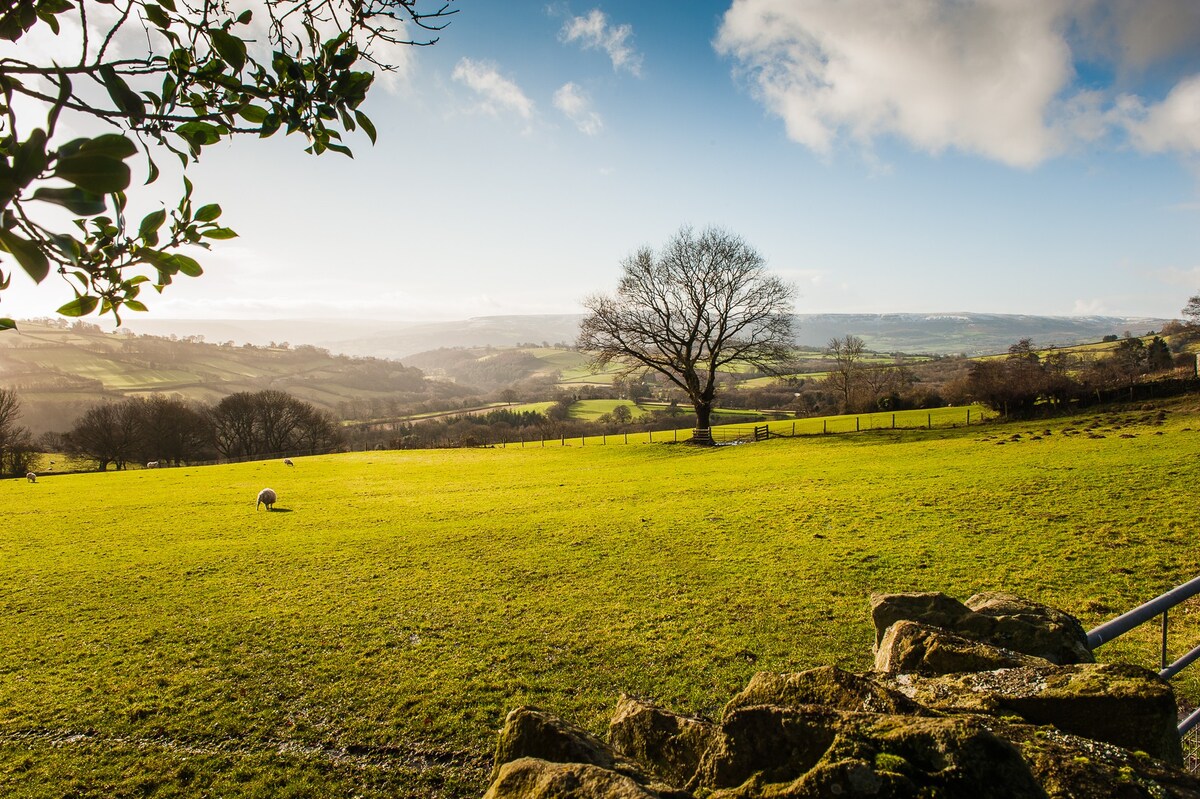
(886, 156)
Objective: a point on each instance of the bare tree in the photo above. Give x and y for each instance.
(108, 433)
(16, 445)
(700, 305)
(844, 377)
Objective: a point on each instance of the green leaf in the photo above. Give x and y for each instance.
(208, 213)
(199, 134)
(135, 305)
(7, 324)
(150, 225)
(156, 15)
(231, 49)
(28, 255)
(187, 265)
(340, 148)
(30, 158)
(109, 145)
(245, 17)
(220, 233)
(253, 113)
(126, 99)
(365, 123)
(99, 175)
(80, 306)
(76, 200)
(167, 4)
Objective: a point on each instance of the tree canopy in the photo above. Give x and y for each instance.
(703, 304)
(165, 77)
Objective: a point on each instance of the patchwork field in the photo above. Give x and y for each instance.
(162, 638)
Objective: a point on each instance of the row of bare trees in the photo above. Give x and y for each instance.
(1026, 381)
(863, 386)
(173, 432)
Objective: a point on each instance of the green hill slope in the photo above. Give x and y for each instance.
(163, 638)
(59, 369)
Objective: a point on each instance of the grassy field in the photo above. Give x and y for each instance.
(162, 638)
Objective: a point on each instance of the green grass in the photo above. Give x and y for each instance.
(591, 410)
(163, 638)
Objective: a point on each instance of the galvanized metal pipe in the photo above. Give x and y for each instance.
(1189, 722)
(1170, 671)
(1143, 613)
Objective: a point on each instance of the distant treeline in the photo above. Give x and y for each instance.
(169, 431)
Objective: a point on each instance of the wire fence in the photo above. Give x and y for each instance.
(945, 418)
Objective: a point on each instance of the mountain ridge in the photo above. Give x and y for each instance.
(938, 333)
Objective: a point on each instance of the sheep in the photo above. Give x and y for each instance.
(266, 497)
(31, 477)
(288, 462)
(152, 464)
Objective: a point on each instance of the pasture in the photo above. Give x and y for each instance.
(161, 638)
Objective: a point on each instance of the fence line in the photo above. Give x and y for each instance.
(942, 418)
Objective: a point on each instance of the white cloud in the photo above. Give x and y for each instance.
(594, 32)
(979, 77)
(496, 93)
(572, 101)
(1092, 307)
(1172, 125)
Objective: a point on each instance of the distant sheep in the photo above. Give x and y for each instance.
(266, 497)
(288, 462)
(152, 464)
(31, 477)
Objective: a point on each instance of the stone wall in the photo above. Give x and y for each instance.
(994, 697)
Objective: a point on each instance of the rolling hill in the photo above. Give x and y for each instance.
(934, 333)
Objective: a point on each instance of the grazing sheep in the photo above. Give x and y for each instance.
(266, 497)
(152, 464)
(31, 477)
(288, 462)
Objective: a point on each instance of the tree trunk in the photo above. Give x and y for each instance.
(703, 414)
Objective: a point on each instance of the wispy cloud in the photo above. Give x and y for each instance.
(574, 102)
(497, 94)
(593, 32)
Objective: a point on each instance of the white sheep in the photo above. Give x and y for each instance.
(152, 464)
(31, 477)
(266, 497)
(288, 462)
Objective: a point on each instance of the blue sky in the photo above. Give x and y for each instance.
(1007, 156)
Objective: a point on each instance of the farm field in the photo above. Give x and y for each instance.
(163, 638)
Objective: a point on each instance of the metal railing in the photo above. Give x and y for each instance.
(1140, 615)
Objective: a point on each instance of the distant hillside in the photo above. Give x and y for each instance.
(935, 333)
(60, 369)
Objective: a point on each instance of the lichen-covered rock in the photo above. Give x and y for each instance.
(531, 778)
(828, 686)
(1033, 628)
(667, 745)
(1001, 620)
(871, 755)
(931, 608)
(778, 744)
(1121, 704)
(532, 733)
(1065, 765)
(911, 647)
